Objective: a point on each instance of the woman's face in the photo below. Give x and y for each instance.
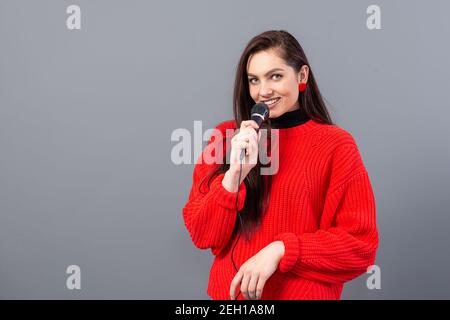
(269, 77)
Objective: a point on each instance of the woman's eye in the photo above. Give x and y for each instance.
(276, 74)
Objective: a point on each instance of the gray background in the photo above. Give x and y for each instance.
(86, 118)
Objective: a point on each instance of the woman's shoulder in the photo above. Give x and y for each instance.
(333, 135)
(325, 133)
(225, 129)
(339, 145)
(227, 124)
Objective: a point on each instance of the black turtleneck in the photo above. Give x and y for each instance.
(289, 119)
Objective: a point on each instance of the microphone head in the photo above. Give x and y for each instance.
(260, 113)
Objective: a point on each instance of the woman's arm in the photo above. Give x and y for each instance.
(210, 215)
(346, 243)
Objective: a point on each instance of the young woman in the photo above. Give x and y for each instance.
(311, 226)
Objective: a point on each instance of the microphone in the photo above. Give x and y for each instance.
(259, 113)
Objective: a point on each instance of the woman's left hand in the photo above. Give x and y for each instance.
(254, 273)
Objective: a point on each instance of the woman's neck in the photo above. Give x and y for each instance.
(289, 119)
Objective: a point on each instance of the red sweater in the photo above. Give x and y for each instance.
(321, 206)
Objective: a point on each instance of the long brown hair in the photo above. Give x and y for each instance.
(310, 101)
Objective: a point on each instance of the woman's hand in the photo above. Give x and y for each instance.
(254, 273)
(247, 138)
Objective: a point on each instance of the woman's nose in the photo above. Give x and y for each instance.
(265, 90)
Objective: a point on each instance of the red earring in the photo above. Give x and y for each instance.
(301, 87)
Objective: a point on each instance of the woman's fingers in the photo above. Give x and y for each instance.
(243, 145)
(234, 284)
(244, 137)
(244, 285)
(247, 139)
(249, 123)
(250, 138)
(252, 287)
(247, 136)
(249, 126)
(260, 287)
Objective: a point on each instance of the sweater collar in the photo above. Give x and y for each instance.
(289, 119)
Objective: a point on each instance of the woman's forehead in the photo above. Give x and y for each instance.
(263, 61)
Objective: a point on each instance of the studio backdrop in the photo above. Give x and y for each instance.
(92, 92)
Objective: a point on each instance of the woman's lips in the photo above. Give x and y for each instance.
(273, 104)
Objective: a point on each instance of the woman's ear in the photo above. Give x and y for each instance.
(303, 74)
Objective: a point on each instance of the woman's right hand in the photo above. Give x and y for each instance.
(248, 139)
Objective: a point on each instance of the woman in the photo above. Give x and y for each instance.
(311, 226)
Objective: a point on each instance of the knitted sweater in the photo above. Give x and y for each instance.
(321, 205)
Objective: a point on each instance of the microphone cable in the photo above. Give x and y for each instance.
(259, 113)
(240, 219)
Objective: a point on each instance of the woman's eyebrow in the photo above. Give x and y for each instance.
(270, 71)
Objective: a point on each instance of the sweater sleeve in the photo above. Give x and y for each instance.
(210, 215)
(347, 240)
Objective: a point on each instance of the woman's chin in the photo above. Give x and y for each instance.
(273, 113)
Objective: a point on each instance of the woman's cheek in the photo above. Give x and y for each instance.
(253, 94)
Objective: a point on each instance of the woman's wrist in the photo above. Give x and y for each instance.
(280, 245)
(230, 180)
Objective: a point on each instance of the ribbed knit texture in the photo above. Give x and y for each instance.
(321, 206)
